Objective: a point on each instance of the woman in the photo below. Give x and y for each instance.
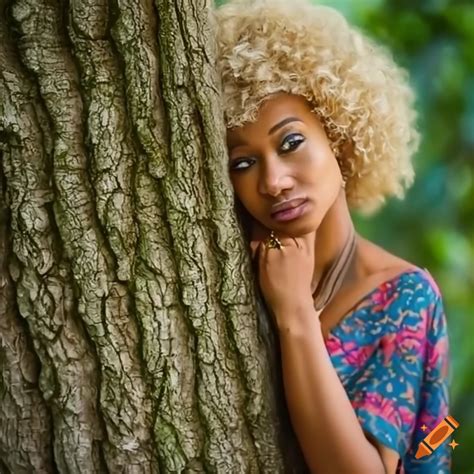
(320, 120)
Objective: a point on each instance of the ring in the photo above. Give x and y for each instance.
(273, 242)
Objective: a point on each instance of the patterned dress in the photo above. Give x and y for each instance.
(391, 354)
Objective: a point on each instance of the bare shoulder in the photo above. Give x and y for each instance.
(373, 266)
(376, 263)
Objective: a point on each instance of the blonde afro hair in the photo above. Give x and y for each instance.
(361, 96)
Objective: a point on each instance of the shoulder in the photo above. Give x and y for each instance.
(414, 322)
(397, 283)
(413, 287)
(410, 301)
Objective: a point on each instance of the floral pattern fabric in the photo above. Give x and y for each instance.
(391, 355)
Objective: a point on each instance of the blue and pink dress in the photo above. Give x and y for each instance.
(391, 355)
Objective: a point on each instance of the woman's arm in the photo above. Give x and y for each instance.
(325, 423)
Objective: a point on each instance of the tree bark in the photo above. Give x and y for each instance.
(131, 335)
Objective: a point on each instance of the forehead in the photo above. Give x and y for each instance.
(274, 109)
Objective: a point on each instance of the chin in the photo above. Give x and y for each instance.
(299, 227)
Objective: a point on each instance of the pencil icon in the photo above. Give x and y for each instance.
(436, 436)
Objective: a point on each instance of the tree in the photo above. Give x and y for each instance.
(132, 338)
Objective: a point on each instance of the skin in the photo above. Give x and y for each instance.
(286, 154)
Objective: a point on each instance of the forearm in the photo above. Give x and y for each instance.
(326, 425)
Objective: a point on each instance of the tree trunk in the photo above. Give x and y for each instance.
(131, 336)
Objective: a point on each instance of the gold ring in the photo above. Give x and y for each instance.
(273, 242)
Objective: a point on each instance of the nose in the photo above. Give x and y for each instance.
(273, 179)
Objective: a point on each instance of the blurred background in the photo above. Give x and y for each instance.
(434, 226)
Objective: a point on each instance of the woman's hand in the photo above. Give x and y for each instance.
(285, 274)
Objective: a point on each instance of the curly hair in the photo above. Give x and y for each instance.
(361, 96)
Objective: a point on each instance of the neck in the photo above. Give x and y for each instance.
(331, 236)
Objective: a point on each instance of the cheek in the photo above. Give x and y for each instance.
(333, 182)
(327, 167)
(248, 202)
(326, 179)
(243, 189)
(238, 189)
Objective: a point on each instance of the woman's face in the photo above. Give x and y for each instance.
(284, 155)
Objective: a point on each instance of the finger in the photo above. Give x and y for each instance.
(254, 247)
(306, 241)
(262, 254)
(288, 241)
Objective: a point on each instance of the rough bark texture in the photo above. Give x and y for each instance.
(130, 336)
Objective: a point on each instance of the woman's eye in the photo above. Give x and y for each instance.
(291, 142)
(236, 164)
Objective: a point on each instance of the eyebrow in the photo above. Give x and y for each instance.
(272, 130)
(282, 123)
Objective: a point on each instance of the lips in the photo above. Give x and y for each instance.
(287, 205)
